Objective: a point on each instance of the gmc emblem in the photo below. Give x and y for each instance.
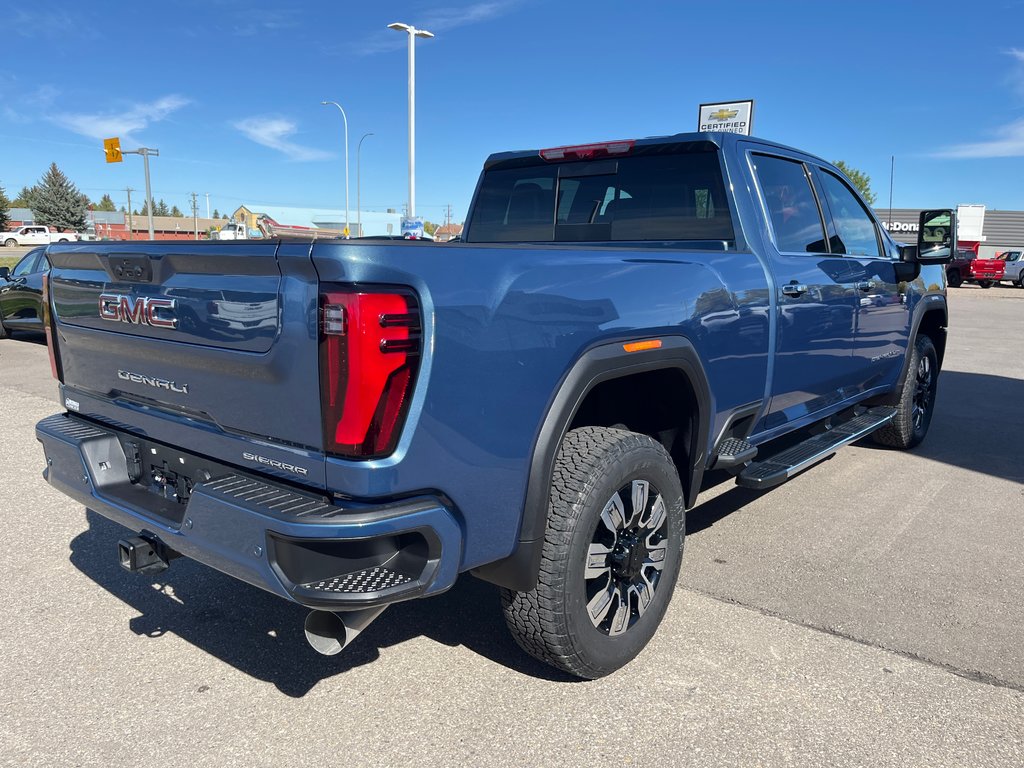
(140, 310)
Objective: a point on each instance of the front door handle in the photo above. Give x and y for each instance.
(794, 289)
(865, 286)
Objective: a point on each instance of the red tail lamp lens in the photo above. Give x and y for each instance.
(588, 151)
(370, 347)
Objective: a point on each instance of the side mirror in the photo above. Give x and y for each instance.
(4, 272)
(936, 237)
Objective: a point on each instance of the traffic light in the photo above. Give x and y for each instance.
(112, 149)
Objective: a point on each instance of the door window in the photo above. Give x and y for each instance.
(855, 227)
(792, 207)
(27, 265)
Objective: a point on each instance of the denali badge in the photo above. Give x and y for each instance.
(140, 310)
(275, 463)
(152, 381)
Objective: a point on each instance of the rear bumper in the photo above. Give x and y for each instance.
(295, 544)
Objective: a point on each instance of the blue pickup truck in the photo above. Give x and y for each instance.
(350, 424)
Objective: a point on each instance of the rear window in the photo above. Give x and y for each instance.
(659, 196)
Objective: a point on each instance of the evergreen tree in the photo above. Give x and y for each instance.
(57, 202)
(144, 211)
(123, 210)
(860, 180)
(25, 198)
(105, 204)
(5, 206)
(175, 211)
(224, 216)
(161, 209)
(216, 213)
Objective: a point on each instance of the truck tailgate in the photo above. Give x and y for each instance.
(219, 336)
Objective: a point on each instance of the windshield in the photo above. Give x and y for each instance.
(669, 193)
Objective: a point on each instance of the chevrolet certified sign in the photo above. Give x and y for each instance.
(730, 117)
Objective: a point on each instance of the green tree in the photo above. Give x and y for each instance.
(58, 203)
(105, 204)
(161, 209)
(25, 198)
(860, 180)
(175, 211)
(216, 213)
(5, 206)
(144, 211)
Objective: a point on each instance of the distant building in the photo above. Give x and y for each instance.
(19, 217)
(447, 232)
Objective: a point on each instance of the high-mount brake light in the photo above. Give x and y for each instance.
(370, 346)
(588, 151)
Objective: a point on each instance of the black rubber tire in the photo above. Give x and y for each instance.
(550, 622)
(986, 283)
(903, 432)
(3, 331)
(1020, 283)
(10, 242)
(953, 278)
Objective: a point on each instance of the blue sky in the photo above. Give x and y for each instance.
(230, 91)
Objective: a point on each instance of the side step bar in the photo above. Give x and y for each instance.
(782, 466)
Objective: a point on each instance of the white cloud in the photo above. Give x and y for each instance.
(1009, 142)
(1017, 53)
(274, 132)
(123, 124)
(438, 20)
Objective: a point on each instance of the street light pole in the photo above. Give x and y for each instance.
(146, 152)
(345, 118)
(413, 33)
(359, 206)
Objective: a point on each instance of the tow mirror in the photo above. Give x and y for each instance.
(936, 237)
(4, 272)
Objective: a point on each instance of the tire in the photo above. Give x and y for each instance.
(63, 240)
(1019, 282)
(953, 278)
(986, 283)
(615, 512)
(3, 331)
(10, 242)
(917, 399)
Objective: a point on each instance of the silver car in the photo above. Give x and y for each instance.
(1014, 271)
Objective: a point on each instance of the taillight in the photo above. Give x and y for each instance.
(51, 345)
(370, 347)
(588, 151)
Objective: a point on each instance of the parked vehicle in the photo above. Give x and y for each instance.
(1013, 267)
(966, 267)
(34, 234)
(232, 231)
(537, 404)
(21, 293)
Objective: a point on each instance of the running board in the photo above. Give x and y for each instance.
(782, 466)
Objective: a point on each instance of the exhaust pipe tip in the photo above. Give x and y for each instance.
(325, 632)
(329, 633)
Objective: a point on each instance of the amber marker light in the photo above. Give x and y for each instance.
(640, 346)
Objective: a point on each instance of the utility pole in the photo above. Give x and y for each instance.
(146, 152)
(129, 190)
(207, 205)
(195, 217)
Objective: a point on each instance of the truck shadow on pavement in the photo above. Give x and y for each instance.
(261, 635)
(978, 425)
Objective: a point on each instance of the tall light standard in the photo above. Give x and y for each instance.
(345, 118)
(413, 33)
(359, 206)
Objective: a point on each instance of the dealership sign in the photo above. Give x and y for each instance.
(727, 116)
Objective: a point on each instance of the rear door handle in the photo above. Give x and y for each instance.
(794, 289)
(865, 286)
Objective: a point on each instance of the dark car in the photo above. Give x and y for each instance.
(21, 293)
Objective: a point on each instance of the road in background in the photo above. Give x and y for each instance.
(865, 613)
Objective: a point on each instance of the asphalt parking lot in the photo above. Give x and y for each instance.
(868, 612)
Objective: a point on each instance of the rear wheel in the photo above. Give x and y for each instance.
(611, 554)
(917, 399)
(3, 331)
(986, 283)
(953, 278)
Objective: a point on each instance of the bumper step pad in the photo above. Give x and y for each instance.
(368, 580)
(782, 466)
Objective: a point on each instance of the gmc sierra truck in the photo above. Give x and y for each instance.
(537, 405)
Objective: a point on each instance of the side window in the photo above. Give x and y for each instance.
(26, 265)
(854, 225)
(792, 209)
